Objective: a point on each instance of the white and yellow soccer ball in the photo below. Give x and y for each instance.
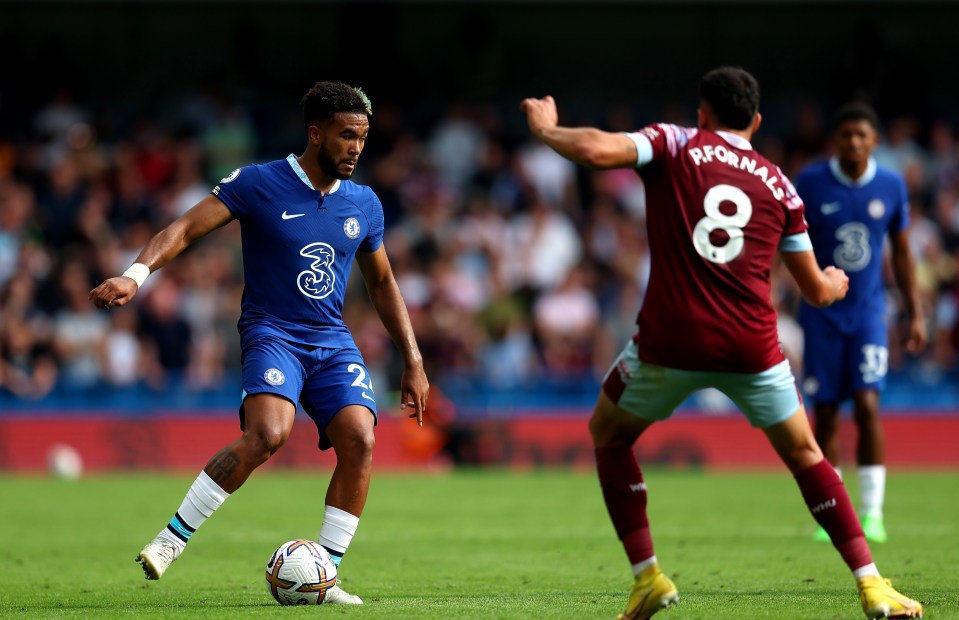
(300, 572)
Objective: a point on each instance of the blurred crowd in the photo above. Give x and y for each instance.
(521, 270)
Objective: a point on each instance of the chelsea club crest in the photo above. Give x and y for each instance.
(273, 376)
(351, 227)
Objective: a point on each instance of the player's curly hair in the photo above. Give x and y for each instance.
(325, 99)
(733, 95)
(855, 111)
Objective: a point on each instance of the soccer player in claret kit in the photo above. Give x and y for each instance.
(717, 213)
(852, 207)
(302, 224)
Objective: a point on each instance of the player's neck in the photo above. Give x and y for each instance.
(853, 169)
(319, 181)
(745, 134)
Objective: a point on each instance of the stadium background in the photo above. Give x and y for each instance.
(523, 273)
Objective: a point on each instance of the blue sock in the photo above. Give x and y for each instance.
(336, 556)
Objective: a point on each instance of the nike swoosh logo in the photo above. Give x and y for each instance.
(830, 207)
(290, 216)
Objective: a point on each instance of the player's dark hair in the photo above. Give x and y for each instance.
(732, 94)
(855, 111)
(325, 99)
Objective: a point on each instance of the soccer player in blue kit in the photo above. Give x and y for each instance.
(302, 223)
(852, 207)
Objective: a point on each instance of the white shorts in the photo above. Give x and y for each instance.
(653, 392)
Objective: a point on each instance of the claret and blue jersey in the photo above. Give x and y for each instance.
(848, 223)
(298, 250)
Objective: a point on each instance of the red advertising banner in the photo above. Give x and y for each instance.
(178, 442)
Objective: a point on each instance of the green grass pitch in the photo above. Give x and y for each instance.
(470, 544)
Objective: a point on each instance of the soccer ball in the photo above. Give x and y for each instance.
(64, 462)
(299, 573)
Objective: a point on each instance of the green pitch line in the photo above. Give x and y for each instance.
(476, 544)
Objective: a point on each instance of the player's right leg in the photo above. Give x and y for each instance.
(826, 431)
(267, 422)
(826, 417)
(829, 503)
(880, 600)
(826, 358)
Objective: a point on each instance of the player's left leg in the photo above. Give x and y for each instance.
(351, 434)
(614, 431)
(870, 361)
(339, 398)
(870, 455)
(631, 387)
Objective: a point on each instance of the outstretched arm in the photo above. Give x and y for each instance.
(819, 287)
(904, 270)
(584, 145)
(389, 304)
(208, 215)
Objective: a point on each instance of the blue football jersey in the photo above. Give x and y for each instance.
(848, 223)
(298, 250)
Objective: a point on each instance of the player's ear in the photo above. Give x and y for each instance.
(314, 133)
(701, 117)
(872, 138)
(757, 121)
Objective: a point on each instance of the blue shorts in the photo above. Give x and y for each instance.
(653, 392)
(322, 380)
(838, 364)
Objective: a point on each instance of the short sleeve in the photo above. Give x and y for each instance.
(374, 239)
(236, 189)
(795, 209)
(796, 243)
(644, 148)
(900, 217)
(802, 188)
(664, 140)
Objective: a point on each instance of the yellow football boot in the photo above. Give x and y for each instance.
(880, 600)
(652, 591)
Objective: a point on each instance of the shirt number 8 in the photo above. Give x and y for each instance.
(715, 219)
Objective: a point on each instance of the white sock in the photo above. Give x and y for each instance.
(872, 487)
(201, 501)
(337, 532)
(639, 566)
(865, 571)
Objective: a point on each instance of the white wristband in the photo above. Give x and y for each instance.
(137, 272)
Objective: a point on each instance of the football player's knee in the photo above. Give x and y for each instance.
(596, 430)
(801, 457)
(604, 429)
(269, 439)
(359, 445)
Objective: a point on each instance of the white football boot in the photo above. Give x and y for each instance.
(157, 556)
(338, 596)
